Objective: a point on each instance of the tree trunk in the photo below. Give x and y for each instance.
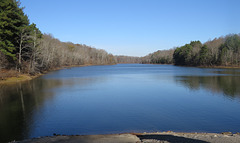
(20, 54)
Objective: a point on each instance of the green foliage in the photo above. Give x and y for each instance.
(227, 53)
(23, 45)
(223, 55)
(203, 56)
(12, 19)
(18, 38)
(196, 44)
(32, 35)
(183, 55)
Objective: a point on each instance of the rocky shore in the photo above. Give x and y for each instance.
(158, 137)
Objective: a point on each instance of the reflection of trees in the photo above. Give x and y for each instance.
(226, 84)
(17, 103)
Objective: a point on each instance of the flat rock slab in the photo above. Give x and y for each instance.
(121, 138)
(172, 137)
(159, 137)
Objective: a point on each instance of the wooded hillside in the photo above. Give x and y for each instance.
(223, 51)
(25, 49)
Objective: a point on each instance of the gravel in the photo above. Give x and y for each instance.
(158, 137)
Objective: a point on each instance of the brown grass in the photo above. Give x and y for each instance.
(22, 77)
(5, 74)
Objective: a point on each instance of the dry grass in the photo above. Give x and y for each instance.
(5, 74)
(12, 76)
(18, 78)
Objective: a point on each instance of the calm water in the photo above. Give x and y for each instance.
(121, 98)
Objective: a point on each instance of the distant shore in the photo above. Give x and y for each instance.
(157, 137)
(214, 66)
(220, 67)
(26, 77)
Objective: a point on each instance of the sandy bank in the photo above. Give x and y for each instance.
(159, 137)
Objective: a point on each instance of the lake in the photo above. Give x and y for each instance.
(120, 99)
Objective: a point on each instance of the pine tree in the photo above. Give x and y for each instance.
(12, 22)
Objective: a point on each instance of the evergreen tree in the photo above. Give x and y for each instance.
(203, 59)
(183, 55)
(12, 23)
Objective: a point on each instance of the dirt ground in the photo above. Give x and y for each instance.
(159, 137)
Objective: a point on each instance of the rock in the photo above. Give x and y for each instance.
(227, 133)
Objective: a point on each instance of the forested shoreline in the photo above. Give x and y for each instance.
(222, 51)
(25, 50)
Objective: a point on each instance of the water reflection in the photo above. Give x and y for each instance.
(119, 98)
(18, 102)
(233, 72)
(228, 85)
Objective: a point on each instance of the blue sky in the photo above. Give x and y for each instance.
(134, 27)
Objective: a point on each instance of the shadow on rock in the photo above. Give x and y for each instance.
(170, 139)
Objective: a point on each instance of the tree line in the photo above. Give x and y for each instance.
(127, 59)
(25, 49)
(159, 57)
(222, 51)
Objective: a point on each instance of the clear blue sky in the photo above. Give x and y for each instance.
(134, 27)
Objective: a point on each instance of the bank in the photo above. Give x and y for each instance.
(19, 77)
(12, 76)
(157, 137)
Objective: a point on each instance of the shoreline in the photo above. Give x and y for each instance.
(155, 137)
(19, 78)
(211, 67)
(214, 67)
(221, 67)
(27, 77)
